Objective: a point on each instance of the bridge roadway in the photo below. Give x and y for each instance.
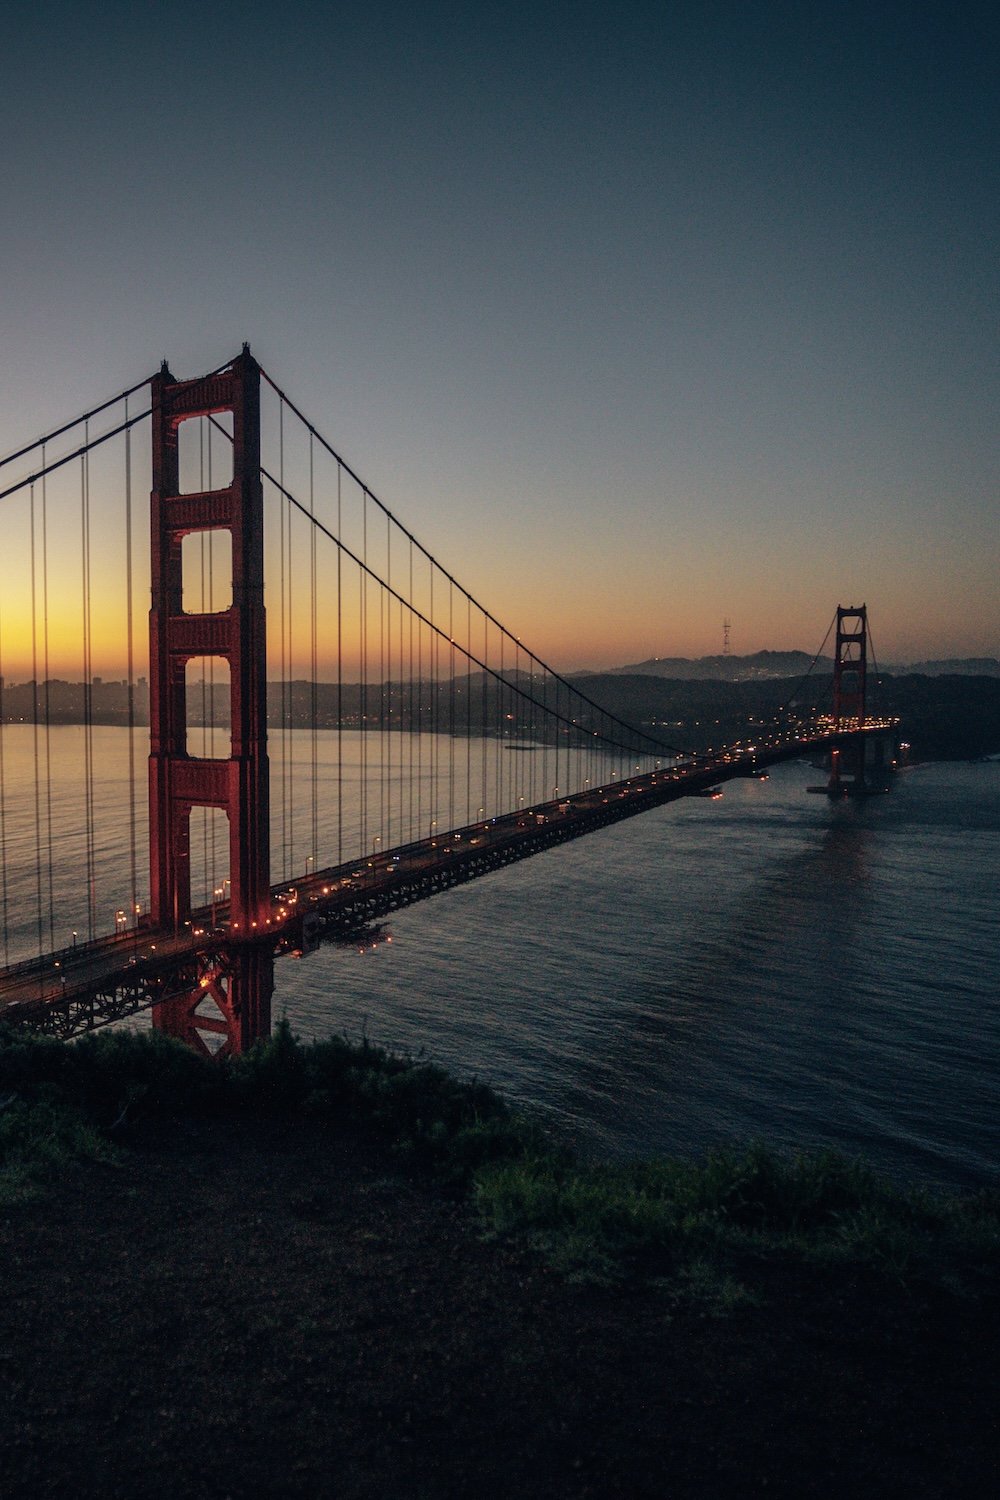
(95, 983)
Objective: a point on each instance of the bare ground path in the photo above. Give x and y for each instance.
(266, 1309)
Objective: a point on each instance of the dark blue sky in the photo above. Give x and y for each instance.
(692, 306)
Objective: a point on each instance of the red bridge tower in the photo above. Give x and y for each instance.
(238, 976)
(850, 670)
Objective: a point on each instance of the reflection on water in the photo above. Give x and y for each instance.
(768, 965)
(765, 965)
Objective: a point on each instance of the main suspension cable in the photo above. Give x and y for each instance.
(85, 448)
(803, 679)
(437, 633)
(88, 416)
(672, 750)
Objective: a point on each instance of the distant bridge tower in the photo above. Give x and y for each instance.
(725, 636)
(238, 976)
(850, 672)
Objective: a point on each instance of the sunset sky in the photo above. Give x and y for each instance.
(638, 315)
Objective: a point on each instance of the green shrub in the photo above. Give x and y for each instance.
(684, 1224)
(657, 1218)
(40, 1139)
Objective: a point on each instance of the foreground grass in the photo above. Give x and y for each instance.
(696, 1228)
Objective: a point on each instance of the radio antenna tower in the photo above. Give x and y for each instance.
(725, 637)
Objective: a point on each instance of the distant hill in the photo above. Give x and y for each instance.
(966, 666)
(761, 666)
(952, 716)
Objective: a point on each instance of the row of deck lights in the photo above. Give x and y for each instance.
(219, 893)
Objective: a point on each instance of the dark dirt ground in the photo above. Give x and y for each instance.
(269, 1309)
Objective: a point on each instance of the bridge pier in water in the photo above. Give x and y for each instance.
(236, 981)
(866, 763)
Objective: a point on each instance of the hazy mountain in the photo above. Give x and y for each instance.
(945, 716)
(765, 665)
(762, 665)
(966, 666)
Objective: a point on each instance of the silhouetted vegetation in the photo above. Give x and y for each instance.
(943, 717)
(690, 1226)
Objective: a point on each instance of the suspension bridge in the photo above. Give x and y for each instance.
(415, 742)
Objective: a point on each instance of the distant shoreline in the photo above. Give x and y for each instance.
(943, 716)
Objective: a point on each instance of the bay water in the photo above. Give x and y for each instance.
(769, 965)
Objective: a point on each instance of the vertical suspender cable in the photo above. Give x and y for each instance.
(383, 601)
(432, 747)
(313, 673)
(46, 688)
(363, 718)
(533, 730)
(213, 872)
(556, 730)
(549, 727)
(289, 508)
(340, 681)
(282, 505)
(130, 681)
(420, 714)
(501, 710)
(451, 704)
(3, 805)
(468, 711)
(404, 739)
(386, 690)
(484, 730)
(34, 740)
(207, 748)
(88, 713)
(514, 722)
(414, 722)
